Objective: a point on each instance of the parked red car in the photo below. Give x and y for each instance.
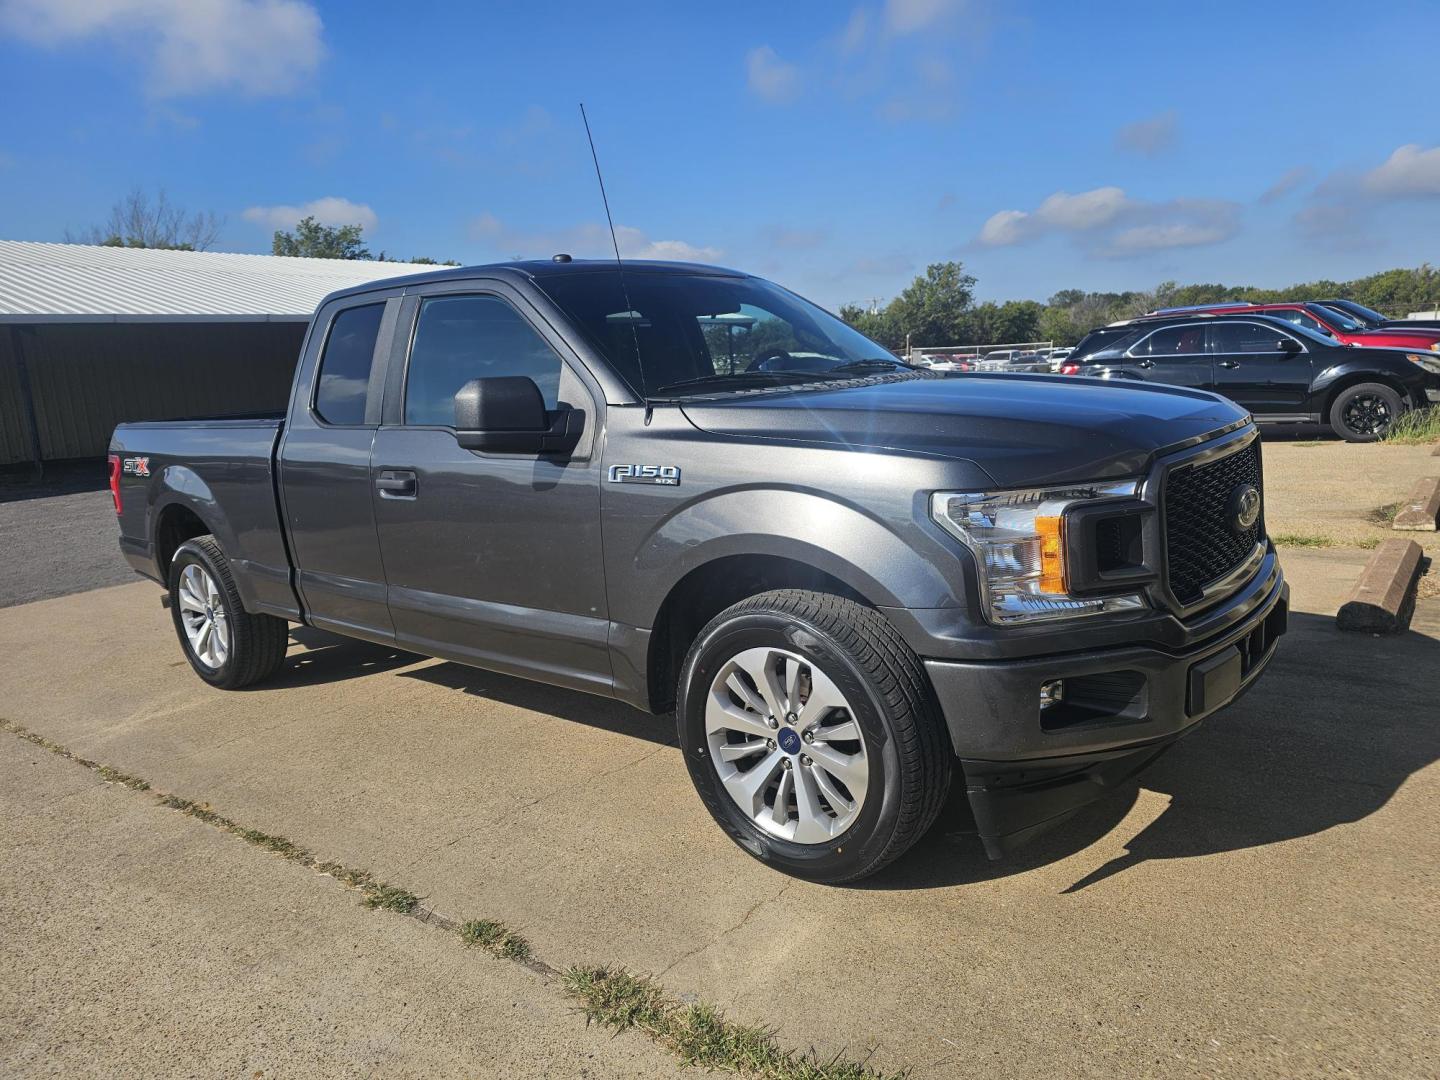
(1330, 321)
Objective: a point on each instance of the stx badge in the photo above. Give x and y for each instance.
(136, 466)
(669, 475)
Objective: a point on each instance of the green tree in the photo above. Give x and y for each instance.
(312, 240)
(931, 310)
(880, 326)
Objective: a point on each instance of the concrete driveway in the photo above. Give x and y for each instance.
(1263, 905)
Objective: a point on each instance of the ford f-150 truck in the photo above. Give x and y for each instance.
(853, 581)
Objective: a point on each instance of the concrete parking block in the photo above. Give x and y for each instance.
(1420, 511)
(1384, 597)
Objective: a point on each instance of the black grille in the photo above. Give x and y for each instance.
(1200, 543)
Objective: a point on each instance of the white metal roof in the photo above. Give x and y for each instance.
(84, 283)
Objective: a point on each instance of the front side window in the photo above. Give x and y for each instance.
(1241, 337)
(345, 365)
(1173, 341)
(1300, 318)
(459, 338)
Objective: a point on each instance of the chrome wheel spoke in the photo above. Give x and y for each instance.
(759, 665)
(833, 795)
(722, 714)
(780, 811)
(845, 731)
(850, 769)
(740, 751)
(825, 697)
(746, 693)
(748, 788)
(202, 616)
(812, 824)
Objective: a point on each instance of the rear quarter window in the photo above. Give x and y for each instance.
(345, 365)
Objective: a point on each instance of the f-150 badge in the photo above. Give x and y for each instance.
(669, 475)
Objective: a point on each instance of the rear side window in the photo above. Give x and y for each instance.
(1244, 338)
(459, 338)
(345, 365)
(1097, 340)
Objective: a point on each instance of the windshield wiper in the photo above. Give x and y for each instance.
(778, 376)
(875, 364)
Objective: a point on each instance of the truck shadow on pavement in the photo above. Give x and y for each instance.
(1336, 726)
(1326, 737)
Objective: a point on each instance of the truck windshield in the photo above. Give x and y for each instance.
(706, 334)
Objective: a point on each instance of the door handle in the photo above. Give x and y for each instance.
(396, 484)
(1228, 364)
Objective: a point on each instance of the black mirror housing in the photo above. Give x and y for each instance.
(1289, 346)
(507, 415)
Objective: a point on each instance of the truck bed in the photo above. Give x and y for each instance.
(181, 477)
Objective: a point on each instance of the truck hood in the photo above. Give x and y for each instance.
(1021, 429)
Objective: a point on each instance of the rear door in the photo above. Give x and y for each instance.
(1254, 370)
(493, 559)
(324, 464)
(1175, 355)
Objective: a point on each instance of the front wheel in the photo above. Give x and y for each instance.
(226, 645)
(812, 735)
(1364, 413)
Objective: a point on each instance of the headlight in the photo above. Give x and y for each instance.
(1429, 363)
(1435, 346)
(1018, 538)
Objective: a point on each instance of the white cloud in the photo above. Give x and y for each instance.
(1150, 136)
(910, 16)
(331, 210)
(1408, 171)
(258, 47)
(1288, 182)
(857, 29)
(769, 77)
(1106, 221)
(590, 240)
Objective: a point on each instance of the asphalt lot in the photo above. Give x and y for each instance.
(1263, 904)
(58, 537)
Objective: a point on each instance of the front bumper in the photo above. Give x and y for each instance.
(1028, 768)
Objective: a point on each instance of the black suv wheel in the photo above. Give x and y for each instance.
(1364, 412)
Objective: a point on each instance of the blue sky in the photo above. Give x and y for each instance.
(835, 147)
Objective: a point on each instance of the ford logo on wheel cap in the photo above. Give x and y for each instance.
(789, 741)
(1244, 507)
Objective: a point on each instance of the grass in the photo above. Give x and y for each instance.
(698, 1035)
(1415, 427)
(495, 938)
(107, 773)
(1384, 516)
(1305, 540)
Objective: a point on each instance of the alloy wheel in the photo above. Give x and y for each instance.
(1367, 414)
(786, 745)
(202, 612)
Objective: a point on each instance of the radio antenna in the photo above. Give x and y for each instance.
(630, 313)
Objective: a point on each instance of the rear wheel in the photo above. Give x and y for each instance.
(811, 734)
(1364, 413)
(226, 645)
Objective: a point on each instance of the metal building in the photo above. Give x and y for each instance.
(93, 336)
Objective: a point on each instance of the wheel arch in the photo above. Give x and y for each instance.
(1335, 384)
(709, 589)
(175, 523)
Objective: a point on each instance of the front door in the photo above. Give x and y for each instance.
(1259, 366)
(1174, 355)
(491, 559)
(325, 471)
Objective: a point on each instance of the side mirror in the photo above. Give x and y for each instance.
(507, 415)
(1289, 346)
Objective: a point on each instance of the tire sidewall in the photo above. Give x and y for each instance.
(1337, 410)
(189, 554)
(860, 844)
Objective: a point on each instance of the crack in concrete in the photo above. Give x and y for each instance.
(725, 933)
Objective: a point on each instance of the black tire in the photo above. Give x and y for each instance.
(257, 642)
(1364, 412)
(890, 698)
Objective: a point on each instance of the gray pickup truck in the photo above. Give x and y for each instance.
(853, 581)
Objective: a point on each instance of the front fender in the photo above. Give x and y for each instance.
(903, 565)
